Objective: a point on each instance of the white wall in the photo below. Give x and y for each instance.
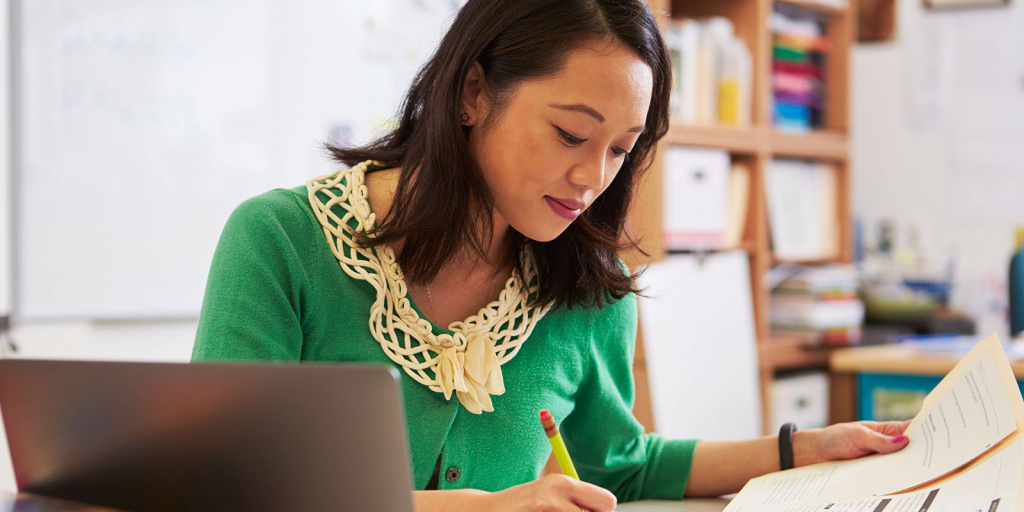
(914, 107)
(6, 472)
(6, 207)
(162, 341)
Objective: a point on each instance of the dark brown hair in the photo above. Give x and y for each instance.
(513, 40)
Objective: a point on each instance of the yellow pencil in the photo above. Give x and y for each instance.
(557, 445)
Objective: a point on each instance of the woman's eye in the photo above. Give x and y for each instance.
(617, 151)
(570, 139)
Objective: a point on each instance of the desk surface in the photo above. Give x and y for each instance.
(691, 505)
(26, 503)
(902, 359)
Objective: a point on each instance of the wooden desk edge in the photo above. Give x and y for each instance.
(901, 360)
(686, 505)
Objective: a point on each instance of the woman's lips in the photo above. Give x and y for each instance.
(565, 208)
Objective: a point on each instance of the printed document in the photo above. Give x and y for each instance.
(966, 432)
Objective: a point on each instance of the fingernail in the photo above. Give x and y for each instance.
(899, 439)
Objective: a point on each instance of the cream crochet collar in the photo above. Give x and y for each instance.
(467, 361)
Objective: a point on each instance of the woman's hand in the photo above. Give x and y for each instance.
(552, 493)
(848, 441)
(723, 467)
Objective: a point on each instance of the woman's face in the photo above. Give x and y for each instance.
(560, 140)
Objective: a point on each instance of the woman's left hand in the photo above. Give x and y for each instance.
(848, 441)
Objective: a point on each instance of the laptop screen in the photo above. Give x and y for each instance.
(167, 436)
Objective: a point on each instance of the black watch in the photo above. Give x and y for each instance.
(786, 446)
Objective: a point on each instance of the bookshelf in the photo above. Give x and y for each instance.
(755, 147)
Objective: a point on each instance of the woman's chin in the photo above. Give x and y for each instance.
(545, 234)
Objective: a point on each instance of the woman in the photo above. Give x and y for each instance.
(495, 208)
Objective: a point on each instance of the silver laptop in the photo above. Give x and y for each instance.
(208, 437)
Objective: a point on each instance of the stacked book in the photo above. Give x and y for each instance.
(819, 304)
(798, 69)
(802, 209)
(712, 72)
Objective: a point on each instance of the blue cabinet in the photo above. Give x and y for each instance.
(885, 396)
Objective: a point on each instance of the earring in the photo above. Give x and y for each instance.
(464, 117)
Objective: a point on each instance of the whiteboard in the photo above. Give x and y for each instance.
(145, 123)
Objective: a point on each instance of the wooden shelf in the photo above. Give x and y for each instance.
(734, 140)
(810, 261)
(818, 145)
(816, 6)
(747, 246)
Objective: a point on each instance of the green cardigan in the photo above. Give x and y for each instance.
(276, 292)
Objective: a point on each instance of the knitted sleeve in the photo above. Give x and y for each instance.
(608, 445)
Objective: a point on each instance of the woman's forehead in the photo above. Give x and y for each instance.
(612, 80)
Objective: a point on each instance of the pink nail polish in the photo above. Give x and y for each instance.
(899, 439)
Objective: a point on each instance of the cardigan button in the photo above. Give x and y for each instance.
(452, 474)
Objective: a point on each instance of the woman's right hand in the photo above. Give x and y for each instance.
(553, 493)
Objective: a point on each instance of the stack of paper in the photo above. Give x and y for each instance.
(712, 73)
(821, 304)
(966, 453)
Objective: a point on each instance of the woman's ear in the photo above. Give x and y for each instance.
(474, 105)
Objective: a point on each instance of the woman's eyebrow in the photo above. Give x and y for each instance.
(579, 107)
(590, 111)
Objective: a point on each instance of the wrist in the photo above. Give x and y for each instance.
(482, 501)
(805, 451)
(454, 500)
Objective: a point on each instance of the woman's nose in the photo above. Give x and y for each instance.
(590, 173)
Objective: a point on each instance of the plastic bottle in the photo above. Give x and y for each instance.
(1017, 286)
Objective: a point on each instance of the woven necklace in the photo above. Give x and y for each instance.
(468, 360)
